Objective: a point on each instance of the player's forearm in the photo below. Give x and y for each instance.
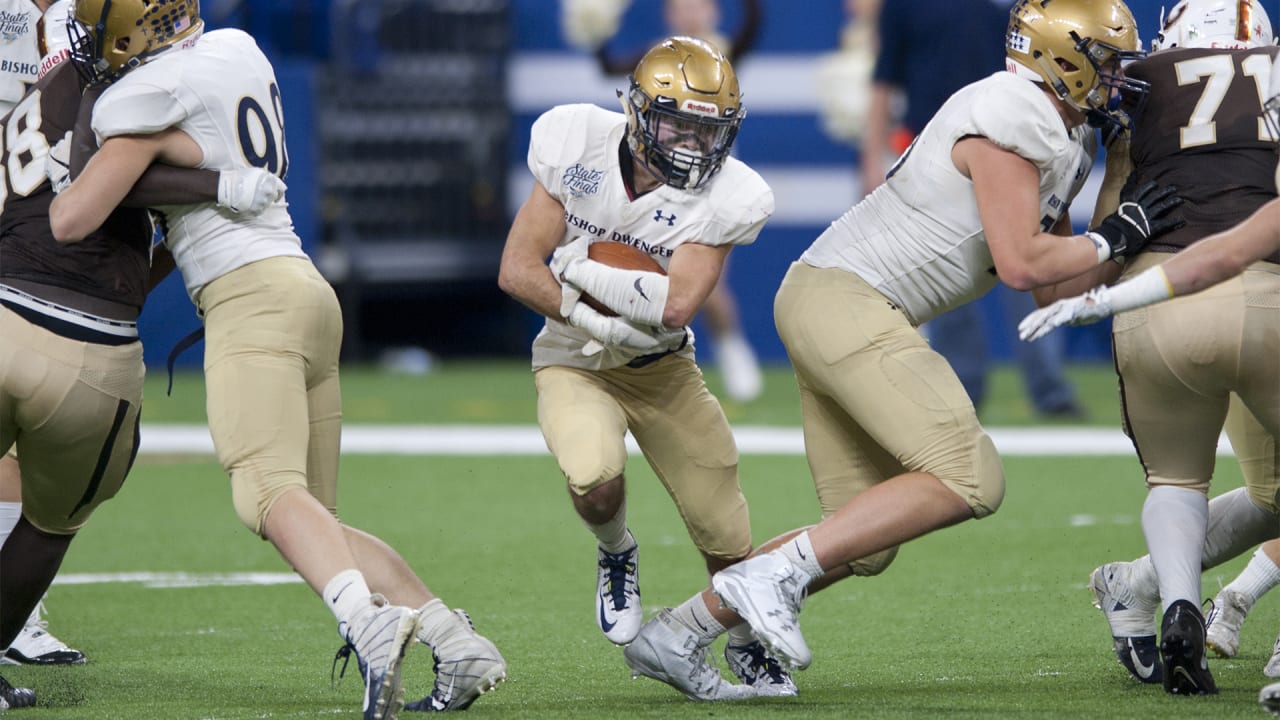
(167, 185)
(1226, 254)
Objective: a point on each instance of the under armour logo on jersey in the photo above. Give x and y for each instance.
(659, 217)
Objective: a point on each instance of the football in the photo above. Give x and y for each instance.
(618, 255)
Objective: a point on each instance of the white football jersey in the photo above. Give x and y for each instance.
(221, 91)
(19, 50)
(573, 154)
(918, 238)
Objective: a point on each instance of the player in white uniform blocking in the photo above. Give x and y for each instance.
(659, 178)
(893, 442)
(272, 324)
(32, 23)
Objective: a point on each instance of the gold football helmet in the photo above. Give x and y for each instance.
(683, 111)
(1076, 47)
(111, 37)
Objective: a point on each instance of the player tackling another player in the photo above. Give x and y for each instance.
(272, 324)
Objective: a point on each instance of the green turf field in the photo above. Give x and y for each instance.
(989, 619)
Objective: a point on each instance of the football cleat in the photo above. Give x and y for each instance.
(379, 636)
(753, 665)
(618, 609)
(1131, 618)
(1186, 669)
(467, 666)
(35, 646)
(667, 650)
(1272, 669)
(12, 697)
(767, 593)
(1222, 633)
(1269, 698)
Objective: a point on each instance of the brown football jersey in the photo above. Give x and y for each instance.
(1202, 131)
(110, 264)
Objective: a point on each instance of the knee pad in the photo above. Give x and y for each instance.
(253, 496)
(988, 478)
(586, 471)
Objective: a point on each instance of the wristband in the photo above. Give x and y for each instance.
(1146, 288)
(1103, 247)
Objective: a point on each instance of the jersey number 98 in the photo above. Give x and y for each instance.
(262, 136)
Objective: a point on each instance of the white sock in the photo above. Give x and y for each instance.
(10, 514)
(1174, 521)
(613, 535)
(1236, 524)
(694, 614)
(741, 634)
(347, 594)
(799, 550)
(1259, 576)
(437, 623)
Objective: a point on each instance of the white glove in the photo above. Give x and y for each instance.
(1079, 310)
(248, 191)
(616, 333)
(57, 164)
(573, 251)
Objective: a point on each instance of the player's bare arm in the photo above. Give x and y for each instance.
(1104, 274)
(523, 273)
(693, 272)
(1226, 254)
(110, 174)
(1007, 188)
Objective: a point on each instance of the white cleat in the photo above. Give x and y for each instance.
(757, 669)
(668, 651)
(1269, 698)
(467, 665)
(1272, 669)
(379, 637)
(1130, 614)
(618, 610)
(34, 645)
(1224, 621)
(767, 591)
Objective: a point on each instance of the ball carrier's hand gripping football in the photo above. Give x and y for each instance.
(617, 277)
(581, 310)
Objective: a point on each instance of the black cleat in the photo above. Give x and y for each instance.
(1182, 646)
(12, 697)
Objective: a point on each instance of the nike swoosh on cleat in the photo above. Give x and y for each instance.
(640, 290)
(1143, 670)
(604, 622)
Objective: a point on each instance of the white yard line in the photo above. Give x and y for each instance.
(482, 440)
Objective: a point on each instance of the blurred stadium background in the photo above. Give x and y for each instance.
(408, 125)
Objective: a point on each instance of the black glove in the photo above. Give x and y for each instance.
(1142, 215)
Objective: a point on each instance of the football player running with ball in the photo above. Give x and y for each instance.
(893, 442)
(658, 177)
(272, 326)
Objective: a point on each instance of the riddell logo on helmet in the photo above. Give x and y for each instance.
(700, 108)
